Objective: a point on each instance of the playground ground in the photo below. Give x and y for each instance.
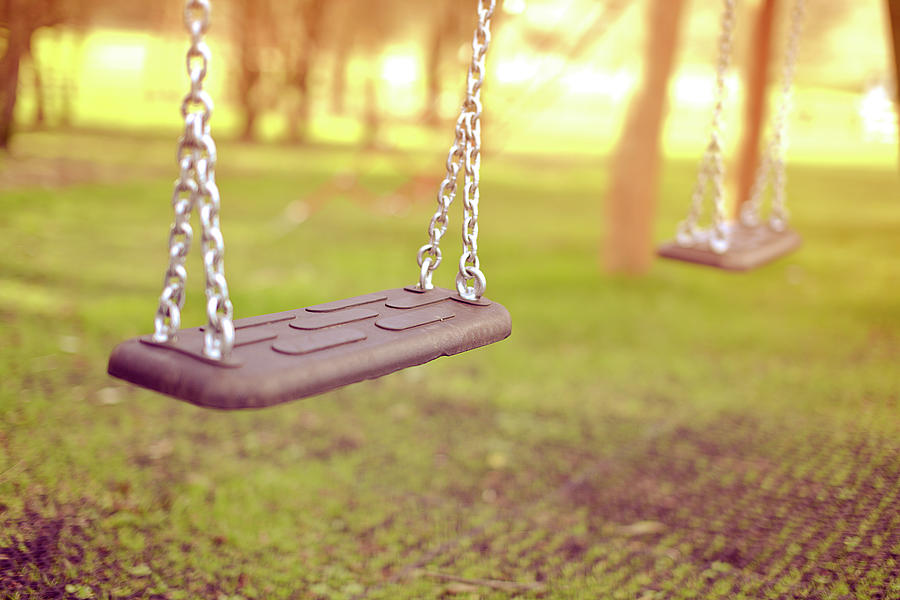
(688, 434)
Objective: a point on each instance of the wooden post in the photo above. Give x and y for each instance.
(631, 198)
(757, 77)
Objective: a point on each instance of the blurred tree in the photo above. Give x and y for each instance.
(372, 26)
(40, 109)
(631, 198)
(249, 24)
(280, 44)
(124, 15)
(893, 13)
(368, 27)
(371, 116)
(301, 51)
(68, 89)
(339, 41)
(19, 20)
(821, 39)
(450, 25)
(340, 36)
(757, 76)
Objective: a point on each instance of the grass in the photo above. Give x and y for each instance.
(689, 434)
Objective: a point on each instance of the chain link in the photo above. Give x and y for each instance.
(772, 166)
(196, 188)
(465, 155)
(429, 255)
(712, 165)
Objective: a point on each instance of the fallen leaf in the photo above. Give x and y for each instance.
(643, 528)
(140, 570)
(454, 589)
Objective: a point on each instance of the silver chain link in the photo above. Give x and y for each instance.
(772, 166)
(465, 155)
(429, 255)
(712, 165)
(196, 188)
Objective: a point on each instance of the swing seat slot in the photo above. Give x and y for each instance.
(320, 340)
(749, 248)
(321, 321)
(420, 298)
(416, 318)
(263, 320)
(281, 356)
(348, 303)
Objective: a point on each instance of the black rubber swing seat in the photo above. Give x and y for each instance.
(749, 247)
(298, 353)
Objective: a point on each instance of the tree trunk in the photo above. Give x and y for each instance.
(298, 118)
(250, 73)
(631, 198)
(431, 114)
(20, 32)
(893, 11)
(69, 86)
(371, 118)
(339, 76)
(40, 108)
(298, 112)
(21, 18)
(755, 103)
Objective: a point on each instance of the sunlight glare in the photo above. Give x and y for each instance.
(516, 69)
(879, 119)
(400, 69)
(698, 89)
(547, 14)
(514, 7)
(615, 85)
(118, 52)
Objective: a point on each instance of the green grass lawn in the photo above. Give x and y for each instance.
(688, 434)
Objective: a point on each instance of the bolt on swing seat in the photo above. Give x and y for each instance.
(746, 243)
(269, 359)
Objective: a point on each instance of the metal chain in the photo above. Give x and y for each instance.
(712, 165)
(429, 255)
(196, 188)
(469, 267)
(465, 154)
(772, 166)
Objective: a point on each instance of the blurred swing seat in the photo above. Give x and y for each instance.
(749, 247)
(297, 353)
(752, 240)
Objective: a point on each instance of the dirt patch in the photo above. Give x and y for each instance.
(37, 549)
(732, 509)
(764, 510)
(81, 550)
